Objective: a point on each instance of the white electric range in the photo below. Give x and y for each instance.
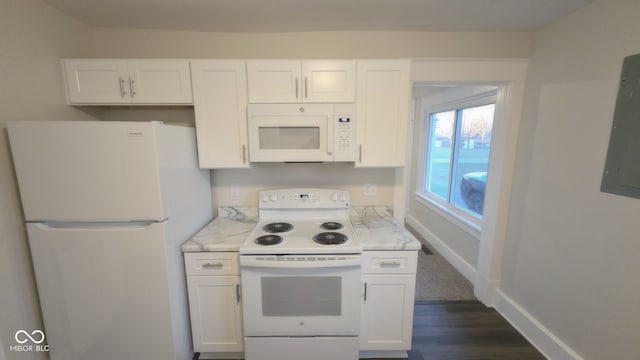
(300, 272)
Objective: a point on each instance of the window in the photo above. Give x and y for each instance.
(458, 143)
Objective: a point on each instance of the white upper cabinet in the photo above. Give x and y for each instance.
(220, 103)
(383, 113)
(117, 81)
(160, 81)
(274, 81)
(96, 81)
(329, 81)
(295, 81)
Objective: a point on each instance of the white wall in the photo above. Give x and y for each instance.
(175, 115)
(33, 38)
(571, 260)
(274, 176)
(327, 44)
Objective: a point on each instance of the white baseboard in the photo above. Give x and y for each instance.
(466, 269)
(485, 290)
(221, 355)
(537, 334)
(379, 354)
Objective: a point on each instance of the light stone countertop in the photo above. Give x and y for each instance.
(226, 232)
(375, 227)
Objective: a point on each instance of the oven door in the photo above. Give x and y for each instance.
(284, 132)
(301, 295)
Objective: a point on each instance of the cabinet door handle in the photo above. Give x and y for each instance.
(123, 90)
(296, 87)
(306, 90)
(238, 293)
(244, 154)
(212, 265)
(360, 153)
(132, 83)
(365, 292)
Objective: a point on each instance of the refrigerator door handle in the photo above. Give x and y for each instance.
(97, 225)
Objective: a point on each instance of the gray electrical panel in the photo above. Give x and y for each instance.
(622, 169)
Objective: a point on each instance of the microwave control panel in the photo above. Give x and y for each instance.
(343, 134)
(344, 130)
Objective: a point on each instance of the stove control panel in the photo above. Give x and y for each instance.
(304, 198)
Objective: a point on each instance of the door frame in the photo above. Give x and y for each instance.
(509, 76)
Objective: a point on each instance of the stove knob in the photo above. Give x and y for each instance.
(334, 196)
(274, 197)
(265, 198)
(342, 197)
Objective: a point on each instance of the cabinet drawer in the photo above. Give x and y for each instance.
(211, 263)
(389, 262)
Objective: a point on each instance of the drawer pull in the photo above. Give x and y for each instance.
(212, 266)
(389, 263)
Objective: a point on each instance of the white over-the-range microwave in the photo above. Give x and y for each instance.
(301, 132)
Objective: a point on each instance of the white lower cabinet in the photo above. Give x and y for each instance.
(389, 279)
(213, 285)
(386, 309)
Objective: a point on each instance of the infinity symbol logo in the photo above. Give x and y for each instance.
(35, 332)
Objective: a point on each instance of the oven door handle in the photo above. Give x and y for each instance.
(300, 262)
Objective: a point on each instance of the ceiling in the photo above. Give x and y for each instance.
(262, 16)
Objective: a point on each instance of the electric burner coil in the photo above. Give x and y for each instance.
(331, 225)
(278, 227)
(269, 240)
(330, 238)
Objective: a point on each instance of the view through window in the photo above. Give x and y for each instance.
(458, 146)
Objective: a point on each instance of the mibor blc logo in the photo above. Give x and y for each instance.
(29, 341)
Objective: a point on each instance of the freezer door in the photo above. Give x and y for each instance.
(104, 291)
(87, 170)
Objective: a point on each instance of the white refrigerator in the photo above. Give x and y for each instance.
(107, 206)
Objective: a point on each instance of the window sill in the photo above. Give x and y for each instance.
(460, 221)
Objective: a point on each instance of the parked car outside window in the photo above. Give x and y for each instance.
(472, 190)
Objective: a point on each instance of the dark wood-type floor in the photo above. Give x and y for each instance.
(466, 330)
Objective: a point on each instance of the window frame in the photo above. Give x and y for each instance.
(468, 222)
